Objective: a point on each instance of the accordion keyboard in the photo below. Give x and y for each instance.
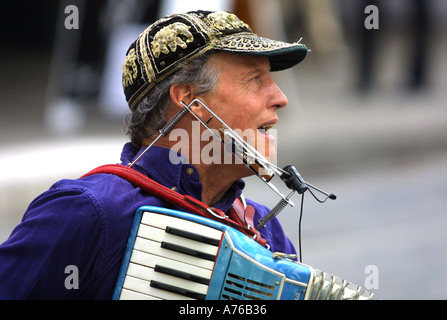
(171, 259)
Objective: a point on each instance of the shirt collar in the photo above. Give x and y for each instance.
(169, 168)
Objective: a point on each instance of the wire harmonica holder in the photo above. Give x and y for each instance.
(252, 158)
(263, 169)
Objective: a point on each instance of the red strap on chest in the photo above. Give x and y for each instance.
(238, 217)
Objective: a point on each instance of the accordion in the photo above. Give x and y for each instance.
(176, 255)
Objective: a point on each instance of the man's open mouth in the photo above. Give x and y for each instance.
(265, 128)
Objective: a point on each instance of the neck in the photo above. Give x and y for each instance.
(216, 180)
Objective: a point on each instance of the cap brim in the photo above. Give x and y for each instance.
(286, 58)
(282, 55)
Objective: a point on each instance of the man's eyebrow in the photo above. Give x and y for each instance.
(256, 71)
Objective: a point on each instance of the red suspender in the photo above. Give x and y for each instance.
(238, 217)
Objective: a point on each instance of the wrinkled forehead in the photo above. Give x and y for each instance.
(240, 63)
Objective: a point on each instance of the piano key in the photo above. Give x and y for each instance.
(192, 236)
(160, 235)
(181, 274)
(182, 291)
(148, 274)
(189, 251)
(144, 287)
(150, 260)
(155, 248)
(162, 221)
(133, 295)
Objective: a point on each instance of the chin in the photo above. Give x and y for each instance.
(266, 145)
(268, 150)
(271, 156)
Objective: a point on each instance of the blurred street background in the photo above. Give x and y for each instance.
(367, 121)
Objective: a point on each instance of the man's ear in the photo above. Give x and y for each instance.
(185, 93)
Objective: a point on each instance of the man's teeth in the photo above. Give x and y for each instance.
(266, 127)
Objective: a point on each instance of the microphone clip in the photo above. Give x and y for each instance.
(293, 179)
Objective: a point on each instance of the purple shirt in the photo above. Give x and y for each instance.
(86, 223)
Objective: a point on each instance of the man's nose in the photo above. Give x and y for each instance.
(279, 99)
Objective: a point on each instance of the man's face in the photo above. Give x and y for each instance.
(247, 99)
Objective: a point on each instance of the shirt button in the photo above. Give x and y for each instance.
(174, 188)
(190, 171)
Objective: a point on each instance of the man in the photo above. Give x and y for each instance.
(83, 225)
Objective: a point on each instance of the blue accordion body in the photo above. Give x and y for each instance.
(178, 255)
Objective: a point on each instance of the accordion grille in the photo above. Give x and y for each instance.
(237, 288)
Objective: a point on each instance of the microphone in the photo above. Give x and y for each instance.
(294, 181)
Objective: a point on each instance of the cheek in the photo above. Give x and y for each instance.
(242, 118)
(234, 118)
(240, 121)
(233, 110)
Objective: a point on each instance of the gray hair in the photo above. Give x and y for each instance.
(149, 114)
